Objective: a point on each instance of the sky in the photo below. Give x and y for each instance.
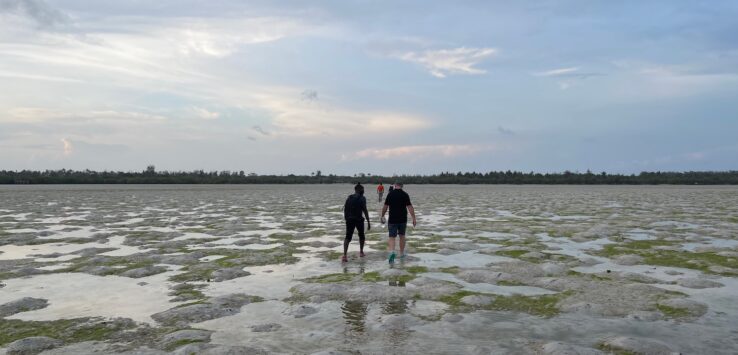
(380, 87)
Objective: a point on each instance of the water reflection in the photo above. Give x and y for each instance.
(395, 307)
(355, 315)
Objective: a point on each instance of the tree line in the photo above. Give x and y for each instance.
(152, 176)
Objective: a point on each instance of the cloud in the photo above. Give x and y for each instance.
(38, 77)
(572, 72)
(68, 148)
(205, 114)
(37, 10)
(419, 151)
(557, 72)
(505, 131)
(566, 76)
(443, 62)
(293, 117)
(309, 95)
(41, 114)
(224, 37)
(261, 130)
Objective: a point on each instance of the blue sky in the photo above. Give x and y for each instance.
(384, 87)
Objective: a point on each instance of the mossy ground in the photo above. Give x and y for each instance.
(67, 330)
(543, 306)
(673, 312)
(188, 292)
(667, 257)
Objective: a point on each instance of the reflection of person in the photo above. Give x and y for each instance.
(380, 192)
(355, 314)
(398, 203)
(352, 212)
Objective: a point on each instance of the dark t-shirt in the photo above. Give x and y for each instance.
(354, 207)
(397, 200)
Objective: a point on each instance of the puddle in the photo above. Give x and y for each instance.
(468, 259)
(73, 295)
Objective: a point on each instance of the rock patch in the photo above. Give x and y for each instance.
(698, 283)
(229, 274)
(22, 305)
(636, 345)
(32, 345)
(268, 327)
(560, 348)
(144, 271)
(186, 335)
(194, 313)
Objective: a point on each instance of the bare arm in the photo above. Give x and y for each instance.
(412, 214)
(384, 211)
(366, 213)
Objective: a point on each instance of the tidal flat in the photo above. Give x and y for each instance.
(255, 269)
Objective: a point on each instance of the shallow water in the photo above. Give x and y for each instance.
(54, 237)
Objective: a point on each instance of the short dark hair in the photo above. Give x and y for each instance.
(359, 188)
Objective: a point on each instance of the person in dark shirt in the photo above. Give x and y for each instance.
(398, 203)
(353, 209)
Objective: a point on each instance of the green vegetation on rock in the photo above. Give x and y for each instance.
(67, 330)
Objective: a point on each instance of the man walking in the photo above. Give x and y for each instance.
(380, 192)
(398, 203)
(353, 209)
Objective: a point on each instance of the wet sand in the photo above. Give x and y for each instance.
(508, 269)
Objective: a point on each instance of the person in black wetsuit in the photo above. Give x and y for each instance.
(353, 209)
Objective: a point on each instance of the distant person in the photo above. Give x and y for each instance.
(380, 192)
(353, 209)
(398, 203)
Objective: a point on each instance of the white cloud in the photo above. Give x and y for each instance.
(224, 37)
(41, 114)
(567, 76)
(419, 151)
(296, 117)
(443, 62)
(68, 148)
(205, 114)
(557, 72)
(6, 74)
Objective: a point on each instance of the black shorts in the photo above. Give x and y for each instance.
(351, 224)
(397, 228)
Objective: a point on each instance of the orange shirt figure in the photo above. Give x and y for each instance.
(380, 192)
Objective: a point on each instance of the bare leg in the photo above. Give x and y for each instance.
(391, 244)
(402, 245)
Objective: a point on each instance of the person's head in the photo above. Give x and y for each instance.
(398, 186)
(380, 183)
(359, 189)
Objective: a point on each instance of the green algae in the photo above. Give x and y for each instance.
(454, 300)
(416, 269)
(372, 276)
(673, 312)
(512, 253)
(188, 292)
(614, 351)
(67, 330)
(668, 257)
(450, 270)
(542, 306)
(332, 278)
